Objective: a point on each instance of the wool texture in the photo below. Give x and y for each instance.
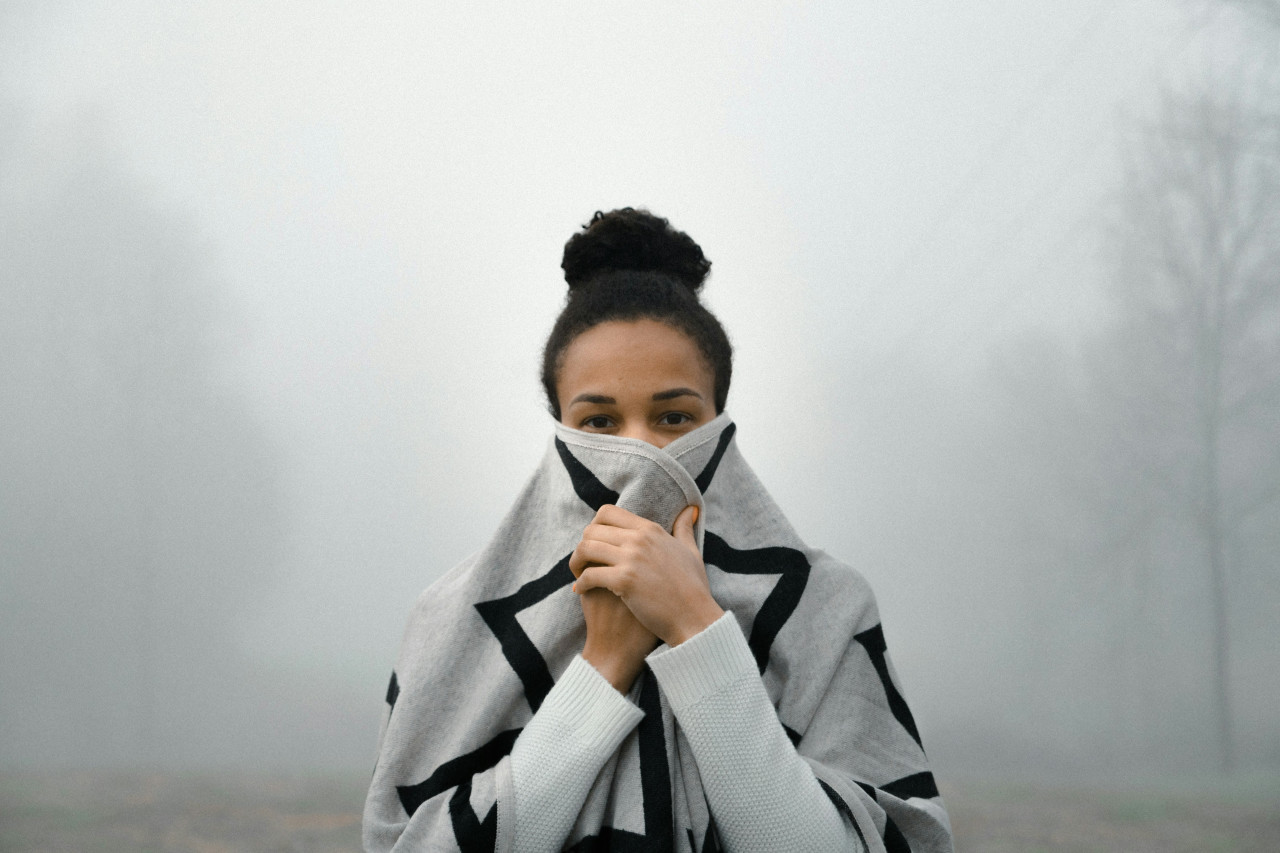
(486, 643)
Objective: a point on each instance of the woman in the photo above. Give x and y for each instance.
(646, 657)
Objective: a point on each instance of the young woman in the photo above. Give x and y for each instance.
(646, 657)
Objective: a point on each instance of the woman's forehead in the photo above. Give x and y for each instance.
(633, 351)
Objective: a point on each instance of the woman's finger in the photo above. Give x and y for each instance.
(606, 533)
(682, 530)
(591, 551)
(615, 516)
(600, 577)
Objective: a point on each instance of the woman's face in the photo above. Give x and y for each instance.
(636, 378)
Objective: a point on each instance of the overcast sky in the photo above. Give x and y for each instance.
(381, 194)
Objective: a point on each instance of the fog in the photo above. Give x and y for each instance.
(274, 282)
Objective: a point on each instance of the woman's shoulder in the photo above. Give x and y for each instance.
(450, 589)
(835, 585)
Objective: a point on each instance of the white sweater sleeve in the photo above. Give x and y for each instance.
(763, 795)
(557, 757)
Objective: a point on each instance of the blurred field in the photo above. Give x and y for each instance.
(140, 812)
(1218, 816)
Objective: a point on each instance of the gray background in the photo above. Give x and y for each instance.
(274, 278)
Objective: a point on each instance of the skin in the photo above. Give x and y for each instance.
(638, 582)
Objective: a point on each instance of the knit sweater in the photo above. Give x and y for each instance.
(762, 794)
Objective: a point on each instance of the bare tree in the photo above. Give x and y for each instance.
(1193, 368)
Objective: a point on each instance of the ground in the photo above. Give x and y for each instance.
(220, 813)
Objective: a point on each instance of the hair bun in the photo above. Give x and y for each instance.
(630, 239)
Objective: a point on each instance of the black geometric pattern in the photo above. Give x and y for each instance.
(457, 771)
(393, 692)
(782, 599)
(476, 834)
(843, 808)
(919, 785)
(473, 835)
(594, 493)
(655, 775)
(703, 480)
(710, 841)
(774, 612)
(655, 787)
(523, 656)
(872, 640)
(894, 839)
(915, 785)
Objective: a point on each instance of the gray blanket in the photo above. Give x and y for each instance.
(488, 640)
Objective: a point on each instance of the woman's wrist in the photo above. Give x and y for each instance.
(699, 616)
(620, 670)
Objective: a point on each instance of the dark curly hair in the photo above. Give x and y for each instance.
(628, 264)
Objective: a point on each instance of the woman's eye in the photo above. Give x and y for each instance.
(674, 419)
(597, 422)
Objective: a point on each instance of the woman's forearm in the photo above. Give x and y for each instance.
(762, 794)
(560, 752)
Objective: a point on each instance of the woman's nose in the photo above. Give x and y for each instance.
(646, 434)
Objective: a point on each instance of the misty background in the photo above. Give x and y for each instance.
(1003, 281)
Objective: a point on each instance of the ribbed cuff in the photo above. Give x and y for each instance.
(703, 664)
(584, 701)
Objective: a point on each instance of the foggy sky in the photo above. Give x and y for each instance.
(375, 200)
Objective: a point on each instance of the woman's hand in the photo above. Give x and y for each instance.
(616, 641)
(659, 576)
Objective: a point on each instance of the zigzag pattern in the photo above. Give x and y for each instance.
(474, 833)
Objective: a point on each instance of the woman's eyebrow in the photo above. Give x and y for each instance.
(676, 392)
(598, 399)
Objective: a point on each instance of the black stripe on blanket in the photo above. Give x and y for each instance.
(781, 601)
(473, 835)
(872, 640)
(393, 691)
(594, 493)
(655, 786)
(710, 841)
(916, 785)
(703, 480)
(457, 772)
(843, 808)
(894, 840)
(655, 775)
(500, 615)
(610, 840)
